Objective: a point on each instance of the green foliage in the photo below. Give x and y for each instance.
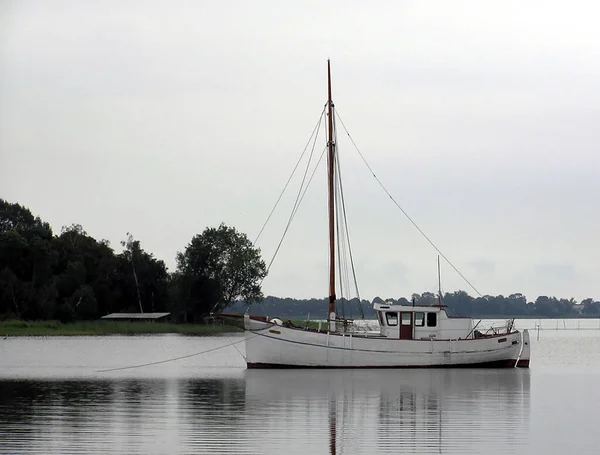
(17, 218)
(71, 276)
(144, 279)
(217, 267)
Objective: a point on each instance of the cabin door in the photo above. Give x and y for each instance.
(406, 326)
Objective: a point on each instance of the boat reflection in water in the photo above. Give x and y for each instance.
(414, 411)
(271, 412)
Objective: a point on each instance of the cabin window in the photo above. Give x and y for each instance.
(431, 319)
(392, 318)
(405, 318)
(419, 319)
(380, 316)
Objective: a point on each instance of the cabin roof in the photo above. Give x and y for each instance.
(407, 308)
(135, 316)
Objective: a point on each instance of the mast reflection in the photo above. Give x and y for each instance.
(414, 411)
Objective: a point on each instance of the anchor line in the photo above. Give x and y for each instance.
(234, 343)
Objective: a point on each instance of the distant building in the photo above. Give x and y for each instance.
(149, 317)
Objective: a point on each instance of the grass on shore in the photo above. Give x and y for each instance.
(79, 328)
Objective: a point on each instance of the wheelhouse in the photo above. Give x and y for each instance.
(406, 322)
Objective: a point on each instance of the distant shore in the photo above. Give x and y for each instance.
(98, 328)
(95, 328)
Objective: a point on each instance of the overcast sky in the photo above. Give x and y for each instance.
(161, 118)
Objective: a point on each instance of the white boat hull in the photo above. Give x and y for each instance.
(270, 345)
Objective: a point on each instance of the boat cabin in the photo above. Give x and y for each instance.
(407, 322)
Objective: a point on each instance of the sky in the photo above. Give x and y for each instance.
(163, 118)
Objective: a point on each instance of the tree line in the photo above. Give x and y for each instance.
(458, 303)
(72, 276)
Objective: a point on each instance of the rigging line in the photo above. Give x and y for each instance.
(297, 201)
(339, 240)
(345, 241)
(297, 205)
(294, 214)
(337, 225)
(342, 241)
(347, 268)
(348, 243)
(344, 248)
(346, 225)
(311, 177)
(299, 195)
(316, 128)
(346, 280)
(406, 214)
(172, 359)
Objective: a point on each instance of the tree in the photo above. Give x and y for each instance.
(26, 261)
(83, 276)
(217, 267)
(9, 301)
(403, 301)
(18, 218)
(131, 252)
(545, 306)
(427, 298)
(140, 278)
(590, 308)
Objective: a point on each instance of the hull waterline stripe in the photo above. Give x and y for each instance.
(510, 363)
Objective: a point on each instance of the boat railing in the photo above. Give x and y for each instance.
(363, 326)
(496, 329)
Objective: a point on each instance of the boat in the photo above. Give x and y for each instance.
(409, 336)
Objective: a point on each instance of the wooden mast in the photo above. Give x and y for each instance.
(439, 283)
(331, 169)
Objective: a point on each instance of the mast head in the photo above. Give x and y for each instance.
(329, 84)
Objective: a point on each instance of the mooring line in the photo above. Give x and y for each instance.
(175, 358)
(236, 348)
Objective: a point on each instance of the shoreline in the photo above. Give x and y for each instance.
(14, 328)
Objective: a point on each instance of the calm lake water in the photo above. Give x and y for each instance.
(57, 397)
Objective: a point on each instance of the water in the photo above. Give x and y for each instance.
(56, 397)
